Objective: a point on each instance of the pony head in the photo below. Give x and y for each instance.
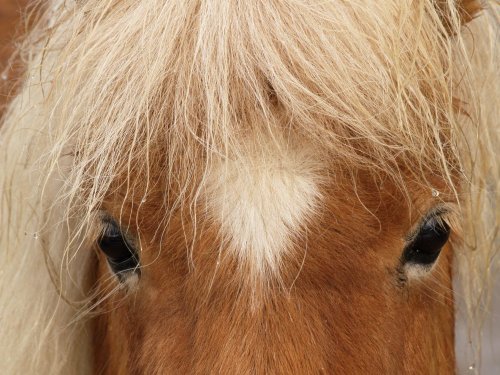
(247, 187)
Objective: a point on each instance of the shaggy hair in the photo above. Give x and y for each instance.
(165, 89)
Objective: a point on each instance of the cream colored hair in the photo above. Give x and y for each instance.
(112, 86)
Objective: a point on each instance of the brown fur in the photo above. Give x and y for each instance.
(467, 11)
(347, 310)
(10, 17)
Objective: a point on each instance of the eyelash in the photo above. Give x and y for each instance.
(442, 214)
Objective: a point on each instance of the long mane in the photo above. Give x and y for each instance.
(165, 89)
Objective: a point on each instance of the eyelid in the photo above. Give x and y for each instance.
(439, 213)
(110, 227)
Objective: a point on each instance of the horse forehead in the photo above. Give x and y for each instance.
(262, 200)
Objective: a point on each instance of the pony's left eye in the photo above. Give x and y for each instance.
(121, 255)
(426, 246)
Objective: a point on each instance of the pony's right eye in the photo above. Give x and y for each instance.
(121, 255)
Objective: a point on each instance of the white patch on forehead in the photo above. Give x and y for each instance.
(262, 200)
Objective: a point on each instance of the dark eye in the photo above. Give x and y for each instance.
(426, 246)
(121, 255)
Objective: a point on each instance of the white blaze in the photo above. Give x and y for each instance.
(262, 200)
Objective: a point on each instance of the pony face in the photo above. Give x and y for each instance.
(314, 272)
(244, 187)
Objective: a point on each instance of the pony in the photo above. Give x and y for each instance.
(249, 187)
